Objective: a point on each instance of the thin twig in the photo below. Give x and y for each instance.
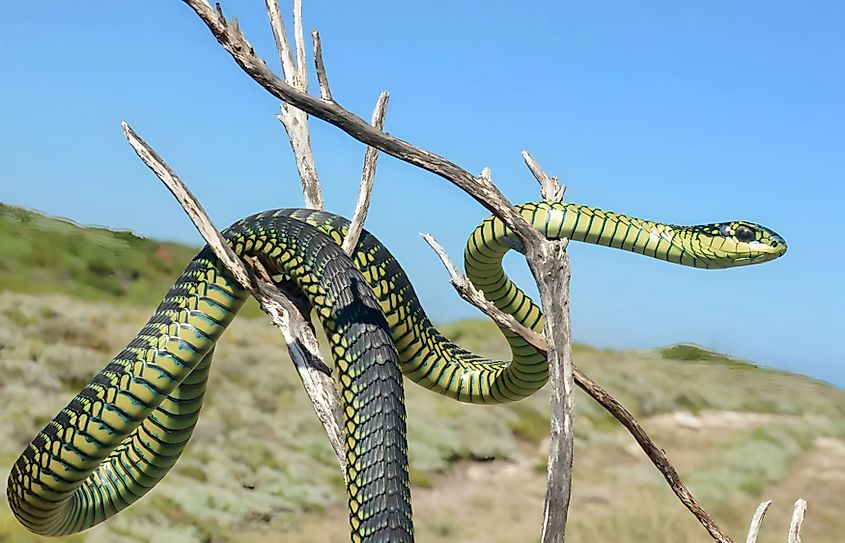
(595, 391)
(277, 24)
(299, 39)
(302, 344)
(322, 78)
(295, 121)
(231, 38)
(550, 189)
(471, 294)
(757, 521)
(367, 175)
(797, 521)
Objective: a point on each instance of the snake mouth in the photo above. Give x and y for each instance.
(760, 257)
(773, 246)
(762, 251)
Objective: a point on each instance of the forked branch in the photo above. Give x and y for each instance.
(295, 120)
(302, 345)
(658, 457)
(794, 534)
(229, 35)
(547, 260)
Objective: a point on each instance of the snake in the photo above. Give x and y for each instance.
(122, 433)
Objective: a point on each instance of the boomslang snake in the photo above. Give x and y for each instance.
(124, 431)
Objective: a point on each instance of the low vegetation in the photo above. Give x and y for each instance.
(43, 254)
(259, 468)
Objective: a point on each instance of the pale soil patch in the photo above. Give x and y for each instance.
(705, 420)
(818, 477)
(502, 501)
(689, 438)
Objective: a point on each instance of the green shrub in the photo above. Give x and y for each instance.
(688, 352)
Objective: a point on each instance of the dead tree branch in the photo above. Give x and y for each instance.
(797, 521)
(322, 77)
(302, 345)
(362, 206)
(229, 35)
(757, 521)
(794, 534)
(547, 260)
(549, 263)
(295, 120)
(656, 454)
(658, 457)
(550, 189)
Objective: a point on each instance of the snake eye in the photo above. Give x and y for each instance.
(745, 234)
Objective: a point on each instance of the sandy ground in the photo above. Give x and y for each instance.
(502, 502)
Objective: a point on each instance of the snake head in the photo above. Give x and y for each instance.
(734, 243)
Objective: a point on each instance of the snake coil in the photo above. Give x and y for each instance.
(123, 432)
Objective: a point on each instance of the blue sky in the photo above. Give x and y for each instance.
(683, 112)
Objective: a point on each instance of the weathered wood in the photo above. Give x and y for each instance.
(757, 521)
(365, 192)
(302, 344)
(294, 120)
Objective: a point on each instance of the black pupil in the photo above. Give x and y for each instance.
(743, 233)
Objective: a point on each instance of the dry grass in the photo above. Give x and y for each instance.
(259, 469)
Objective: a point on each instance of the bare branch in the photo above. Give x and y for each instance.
(544, 258)
(757, 521)
(322, 78)
(282, 44)
(302, 70)
(294, 120)
(367, 176)
(797, 521)
(549, 264)
(595, 391)
(468, 292)
(550, 189)
(302, 344)
(231, 38)
(656, 454)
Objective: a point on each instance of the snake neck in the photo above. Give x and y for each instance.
(491, 240)
(590, 225)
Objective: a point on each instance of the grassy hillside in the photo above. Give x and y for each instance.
(259, 469)
(43, 254)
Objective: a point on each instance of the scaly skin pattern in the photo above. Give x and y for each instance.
(123, 432)
(431, 360)
(711, 246)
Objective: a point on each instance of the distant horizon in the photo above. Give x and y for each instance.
(678, 113)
